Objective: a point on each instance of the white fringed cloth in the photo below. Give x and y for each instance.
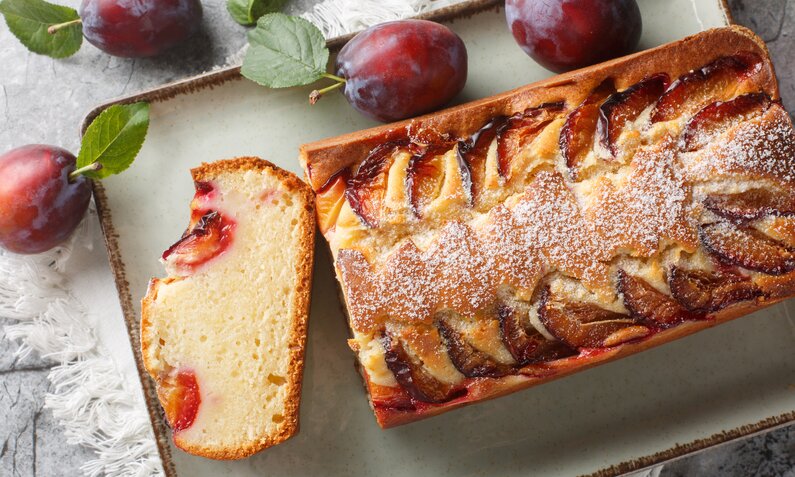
(89, 396)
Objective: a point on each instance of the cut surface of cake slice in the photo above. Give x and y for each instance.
(223, 335)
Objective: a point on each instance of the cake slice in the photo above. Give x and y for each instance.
(223, 335)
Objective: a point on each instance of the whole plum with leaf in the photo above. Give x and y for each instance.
(128, 28)
(45, 190)
(388, 72)
(563, 35)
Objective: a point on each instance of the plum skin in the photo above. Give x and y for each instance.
(563, 35)
(41, 207)
(403, 68)
(139, 28)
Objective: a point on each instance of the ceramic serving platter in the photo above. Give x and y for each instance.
(720, 384)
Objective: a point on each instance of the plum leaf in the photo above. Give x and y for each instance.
(247, 12)
(113, 139)
(29, 21)
(285, 51)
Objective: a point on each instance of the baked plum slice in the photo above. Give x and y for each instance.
(180, 396)
(528, 347)
(205, 239)
(329, 200)
(752, 204)
(703, 291)
(425, 176)
(715, 80)
(519, 130)
(366, 189)
(412, 377)
(747, 248)
(577, 133)
(625, 106)
(585, 325)
(470, 361)
(393, 398)
(472, 154)
(719, 116)
(511, 133)
(650, 306)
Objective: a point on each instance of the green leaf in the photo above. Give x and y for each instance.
(285, 51)
(29, 20)
(247, 12)
(114, 138)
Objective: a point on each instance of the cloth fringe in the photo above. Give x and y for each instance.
(88, 396)
(338, 17)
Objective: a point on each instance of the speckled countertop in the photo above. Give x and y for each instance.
(43, 101)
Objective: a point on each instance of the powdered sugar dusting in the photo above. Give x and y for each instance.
(550, 221)
(413, 285)
(764, 147)
(545, 231)
(546, 228)
(651, 206)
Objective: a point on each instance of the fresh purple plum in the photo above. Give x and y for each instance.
(40, 205)
(139, 28)
(397, 70)
(563, 35)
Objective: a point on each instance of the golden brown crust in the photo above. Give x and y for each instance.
(322, 159)
(297, 339)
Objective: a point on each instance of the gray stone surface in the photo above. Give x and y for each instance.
(32, 443)
(10, 361)
(774, 21)
(43, 101)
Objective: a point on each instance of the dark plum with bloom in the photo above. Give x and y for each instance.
(397, 70)
(39, 205)
(139, 28)
(563, 35)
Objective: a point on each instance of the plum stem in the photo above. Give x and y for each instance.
(94, 166)
(336, 78)
(316, 94)
(53, 29)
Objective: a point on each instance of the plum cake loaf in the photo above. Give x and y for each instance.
(223, 335)
(523, 237)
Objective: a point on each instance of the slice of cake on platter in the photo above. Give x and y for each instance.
(223, 335)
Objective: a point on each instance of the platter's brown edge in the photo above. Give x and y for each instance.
(219, 77)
